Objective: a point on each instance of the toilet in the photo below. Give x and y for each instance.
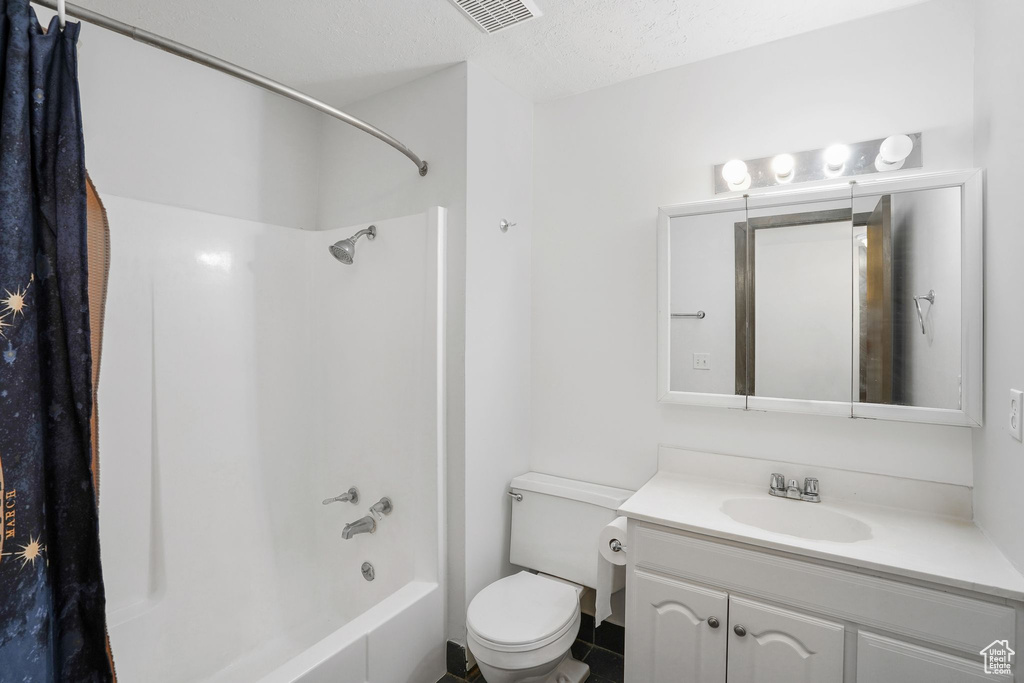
(520, 628)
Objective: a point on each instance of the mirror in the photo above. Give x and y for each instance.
(907, 304)
(703, 319)
(863, 303)
(799, 338)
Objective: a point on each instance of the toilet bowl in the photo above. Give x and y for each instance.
(520, 629)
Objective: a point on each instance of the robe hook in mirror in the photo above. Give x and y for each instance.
(930, 298)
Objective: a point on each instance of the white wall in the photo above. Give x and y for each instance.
(998, 459)
(803, 330)
(162, 129)
(606, 160)
(499, 185)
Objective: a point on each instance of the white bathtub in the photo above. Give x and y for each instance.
(246, 376)
(392, 641)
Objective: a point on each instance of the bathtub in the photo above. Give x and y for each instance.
(247, 376)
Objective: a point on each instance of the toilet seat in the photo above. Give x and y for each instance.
(522, 613)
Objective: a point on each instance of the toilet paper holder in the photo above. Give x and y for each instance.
(617, 546)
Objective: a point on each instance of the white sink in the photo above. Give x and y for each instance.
(797, 518)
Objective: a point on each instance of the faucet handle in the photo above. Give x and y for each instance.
(778, 482)
(811, 490)
(382, 507)
(350, 496)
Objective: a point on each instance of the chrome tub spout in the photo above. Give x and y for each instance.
(366, 525)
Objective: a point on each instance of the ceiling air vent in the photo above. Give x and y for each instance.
(492, 16)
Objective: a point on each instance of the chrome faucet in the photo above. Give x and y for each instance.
(366, 525)
(792, 491)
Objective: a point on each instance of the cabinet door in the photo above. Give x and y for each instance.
(884, 660)
(672, 636)
(771, 645)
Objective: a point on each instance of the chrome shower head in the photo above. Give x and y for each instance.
(345, 250)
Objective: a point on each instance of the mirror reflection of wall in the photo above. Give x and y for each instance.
(802, 294)
(702, 349)
(908, 321)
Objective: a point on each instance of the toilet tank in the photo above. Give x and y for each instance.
(555, 527)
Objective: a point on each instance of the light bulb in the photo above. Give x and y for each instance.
(836, 156)
(783, 165)
(896, 148)
(735, 173)
(893, 152)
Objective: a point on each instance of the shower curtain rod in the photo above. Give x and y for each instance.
(223, 66)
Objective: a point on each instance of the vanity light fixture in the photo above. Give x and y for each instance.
(835, 159)
(840, 160)
(735, 174)
(893, 152)
(783, 166)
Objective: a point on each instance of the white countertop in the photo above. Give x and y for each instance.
(929, 547)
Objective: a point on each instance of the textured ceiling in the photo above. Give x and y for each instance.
(346, 50)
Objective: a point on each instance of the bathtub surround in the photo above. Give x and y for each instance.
(219, 308)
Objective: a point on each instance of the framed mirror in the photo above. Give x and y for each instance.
(861, 300)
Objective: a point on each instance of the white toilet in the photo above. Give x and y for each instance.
(520, 628)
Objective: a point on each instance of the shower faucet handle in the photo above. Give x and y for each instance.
(382, 507)
(350, 496)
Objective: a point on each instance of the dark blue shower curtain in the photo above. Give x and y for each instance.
(52, 625)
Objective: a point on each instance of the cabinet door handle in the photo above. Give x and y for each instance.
(739, 630)
(713, 622)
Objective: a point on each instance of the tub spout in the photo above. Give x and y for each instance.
(366, 525)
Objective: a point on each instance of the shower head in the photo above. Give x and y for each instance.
(345, 250)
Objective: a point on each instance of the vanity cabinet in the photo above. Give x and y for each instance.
(681, 632)
(702, 610)
(768, 644)
(887, 660)
(678, 631)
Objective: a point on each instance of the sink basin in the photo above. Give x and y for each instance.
(804, 520)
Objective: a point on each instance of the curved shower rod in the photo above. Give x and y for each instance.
(175, 48)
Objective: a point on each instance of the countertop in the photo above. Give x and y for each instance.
(929, 547)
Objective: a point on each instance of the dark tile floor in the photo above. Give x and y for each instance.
(605, 665)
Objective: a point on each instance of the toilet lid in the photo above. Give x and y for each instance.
(521, 609)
